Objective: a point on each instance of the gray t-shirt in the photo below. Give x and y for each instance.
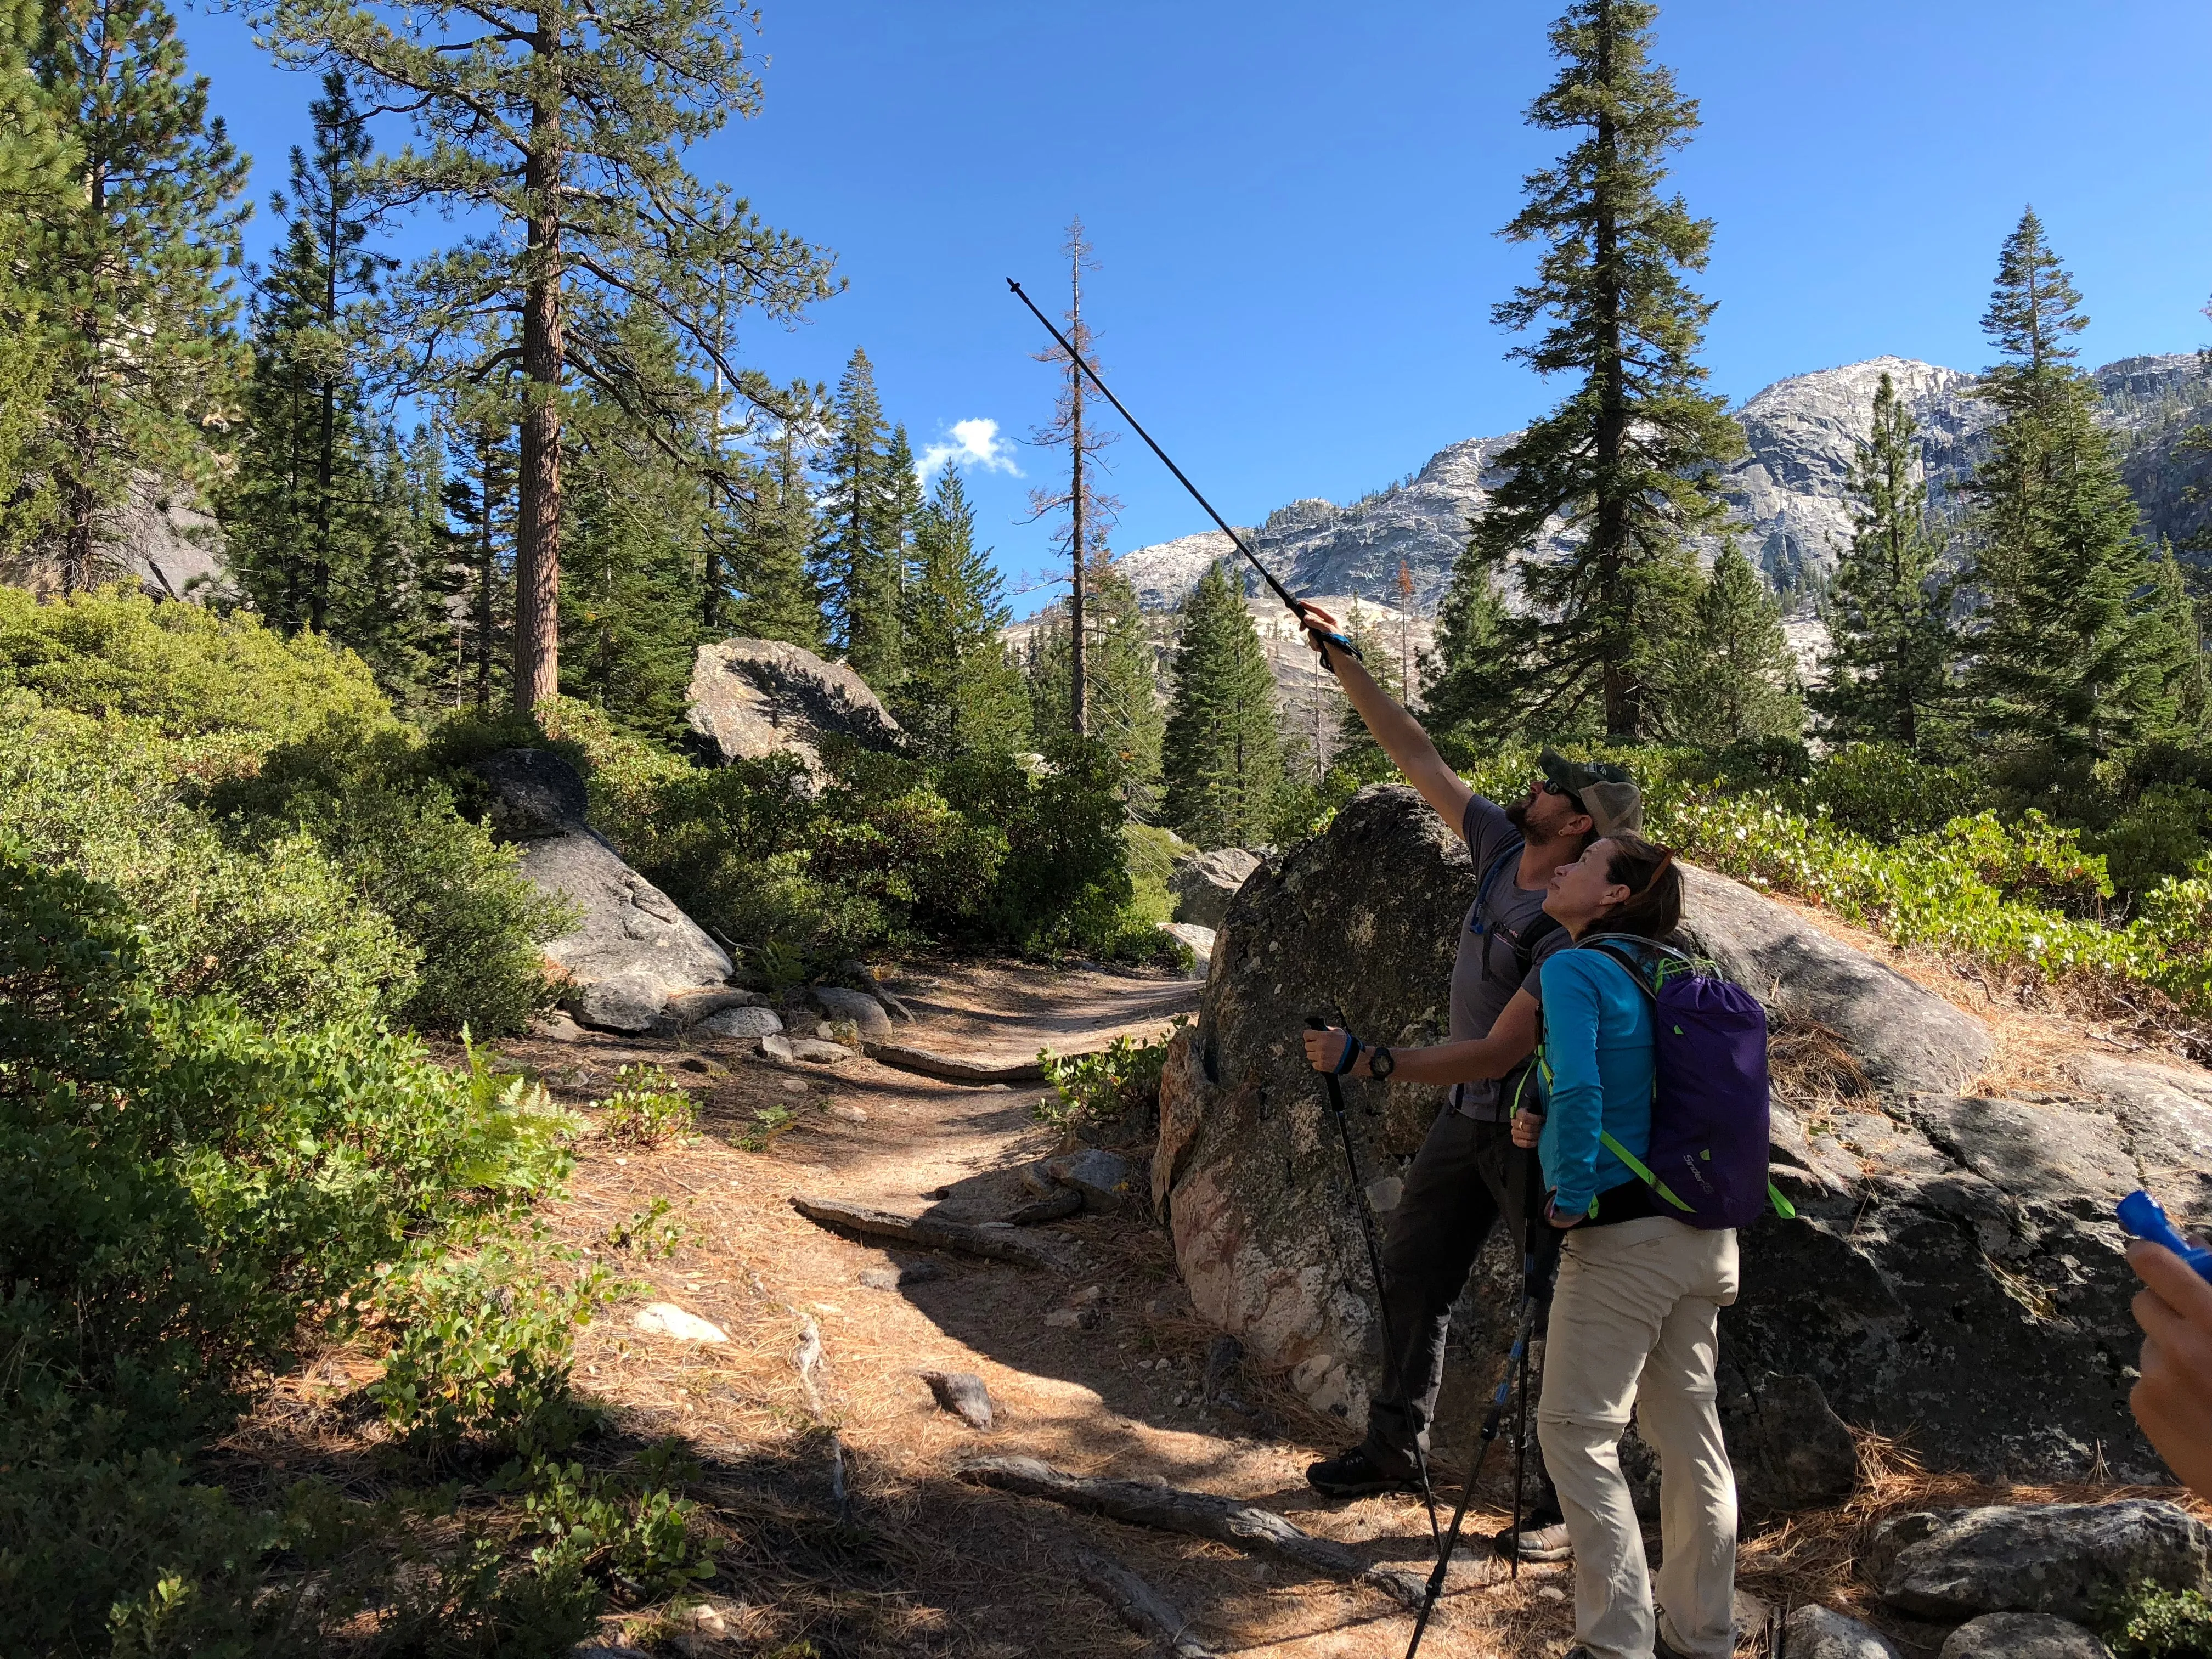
(1488, 970)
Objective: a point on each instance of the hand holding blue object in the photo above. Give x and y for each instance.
(2141, 1216)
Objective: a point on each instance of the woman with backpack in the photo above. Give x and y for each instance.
(1635, 1315)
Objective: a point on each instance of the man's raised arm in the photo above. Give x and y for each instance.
(1398, 732)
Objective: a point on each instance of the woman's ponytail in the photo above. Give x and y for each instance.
(1653, 908)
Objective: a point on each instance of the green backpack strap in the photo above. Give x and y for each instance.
(1783, 1207)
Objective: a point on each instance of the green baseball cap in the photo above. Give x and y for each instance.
(1607, 791)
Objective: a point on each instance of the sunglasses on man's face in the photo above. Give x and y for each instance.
(1568, 795)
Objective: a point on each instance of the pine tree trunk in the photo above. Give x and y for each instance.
(1076, 671)
(326, 456)
(78, 540)
(537, 531)
(484, 565)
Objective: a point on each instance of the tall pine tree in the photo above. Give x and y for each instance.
(1893, 651)
(480, 474)
(863, 547)
(133, 264)
(35, 168)
(1625, 467)
(2061, 672)
(1222, 758)
(1737, 676)
(2173, 639)
(302, 512)
(1121, 680)
(962, 693)
(561, 130)
(629, 610)
(777, 531)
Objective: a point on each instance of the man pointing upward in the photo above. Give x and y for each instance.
(1468, 1176)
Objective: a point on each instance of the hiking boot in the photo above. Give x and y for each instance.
(1543, 1538)
(1361, 1470)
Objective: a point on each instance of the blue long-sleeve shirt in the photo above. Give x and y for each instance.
(1597, 1074)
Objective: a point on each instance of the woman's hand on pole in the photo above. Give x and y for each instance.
(1528, 1129)
(1318, 624)
(2173, 1399)
(1325, 1048)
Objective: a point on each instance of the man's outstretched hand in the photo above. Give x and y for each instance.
(2173, 1400)
(1325, 1048)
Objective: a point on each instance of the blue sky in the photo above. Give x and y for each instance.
(1295, 205)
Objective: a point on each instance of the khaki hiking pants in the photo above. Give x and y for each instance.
(1635, 1323)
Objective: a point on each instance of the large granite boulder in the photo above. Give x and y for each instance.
(753, 698)
(631, 949)
(1905, 1041)
(1955, 1277)
(1203, 883)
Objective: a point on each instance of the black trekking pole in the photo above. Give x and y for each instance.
(1515, 1358)
(1266, 575)
(1530, 1197)
(1394, 1356)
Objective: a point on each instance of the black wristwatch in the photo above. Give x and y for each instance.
(1380, 1062)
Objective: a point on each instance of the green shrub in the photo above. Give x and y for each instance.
(280, 928)
(2150, 1623)
(383, 807)
(645, 1108)
(185, 670)
(1120, 1081)
(186, 1192)
(642, 1536)
(2161, 836)
(978, 851)
(486, 1342)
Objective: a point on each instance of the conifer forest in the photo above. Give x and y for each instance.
(608, 1015)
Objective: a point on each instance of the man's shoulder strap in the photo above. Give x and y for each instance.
(1512, 849)
(1533, 935)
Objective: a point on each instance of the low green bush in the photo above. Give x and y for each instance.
(385, 808)
(187, 670)
(2148, 1622)
(979, 851)
(1119, 1082)
(646, 1108)
(187, 1192)
(485, 1342)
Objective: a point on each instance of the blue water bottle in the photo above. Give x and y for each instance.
(2143, 1219)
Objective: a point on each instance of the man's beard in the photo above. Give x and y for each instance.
(1517, 816)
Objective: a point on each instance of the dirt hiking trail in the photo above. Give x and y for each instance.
(915, 1561)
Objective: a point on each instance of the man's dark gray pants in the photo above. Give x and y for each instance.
(1468, 1178)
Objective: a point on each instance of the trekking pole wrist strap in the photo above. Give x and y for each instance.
(1351, 1055)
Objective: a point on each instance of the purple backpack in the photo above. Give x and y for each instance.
(1707, 1159)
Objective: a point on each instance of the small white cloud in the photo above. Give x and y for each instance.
(970, 443)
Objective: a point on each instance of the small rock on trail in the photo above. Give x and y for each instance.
(666, 1319)
(2021, 1636)
(962, 1394)
(1818, 1632)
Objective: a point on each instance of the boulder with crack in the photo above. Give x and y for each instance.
(753, 698)
(631, 949)
(1955, 1277)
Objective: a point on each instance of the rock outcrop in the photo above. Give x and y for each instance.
(1203, 883)
(2058, 1559)
(1954, 1278)
(631, 949)
(753, 698)
(1905, 1041)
